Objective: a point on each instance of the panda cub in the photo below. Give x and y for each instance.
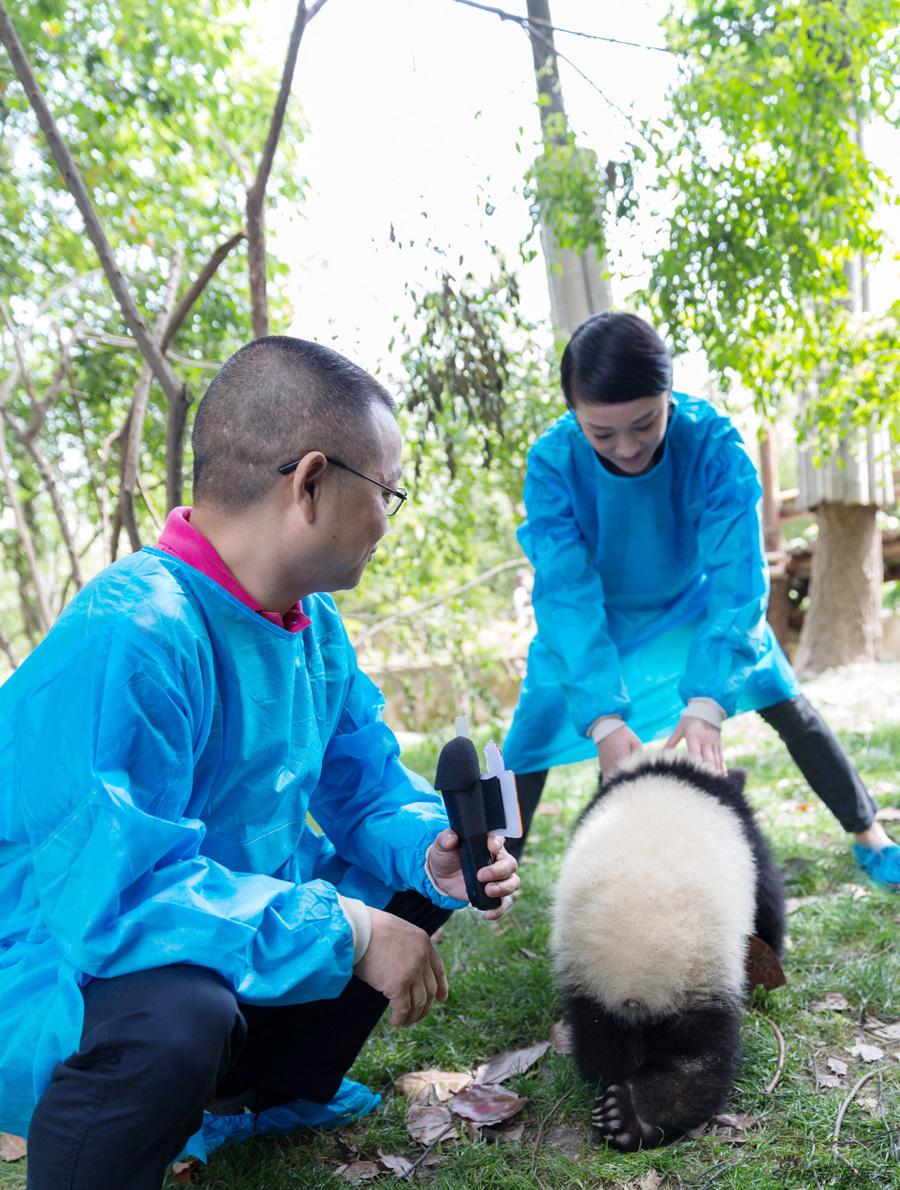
(665, 878)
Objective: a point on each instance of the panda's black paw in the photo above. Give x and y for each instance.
(617, 1122)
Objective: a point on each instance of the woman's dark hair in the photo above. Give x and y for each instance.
(613, 358)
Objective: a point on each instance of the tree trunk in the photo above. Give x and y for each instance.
(779, 610)
(578, 282)
(843, 621)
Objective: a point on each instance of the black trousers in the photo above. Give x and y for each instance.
(813, 746)
(157, 1046)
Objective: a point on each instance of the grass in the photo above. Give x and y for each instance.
(840, 941)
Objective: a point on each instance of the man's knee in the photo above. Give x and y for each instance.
(169, 1021)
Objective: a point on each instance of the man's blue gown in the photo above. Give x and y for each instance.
(183, 781)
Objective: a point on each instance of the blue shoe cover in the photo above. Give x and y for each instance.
(881, 866)
(351, 1101)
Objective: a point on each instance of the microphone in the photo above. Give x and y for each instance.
(473, 803)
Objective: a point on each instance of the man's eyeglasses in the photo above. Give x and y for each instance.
(397, 497)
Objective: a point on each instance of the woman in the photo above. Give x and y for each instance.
(651, 586)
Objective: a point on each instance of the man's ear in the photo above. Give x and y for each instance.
(307, 483)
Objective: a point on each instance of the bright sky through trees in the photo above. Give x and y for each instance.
(415, 109)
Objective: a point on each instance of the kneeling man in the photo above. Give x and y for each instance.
(215, 872)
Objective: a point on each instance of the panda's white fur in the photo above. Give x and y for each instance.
(656, 898)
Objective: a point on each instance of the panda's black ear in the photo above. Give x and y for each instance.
(737, 779)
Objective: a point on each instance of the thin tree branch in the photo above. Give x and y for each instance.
(779, 1037)
(57, 293)
(544, 1122)
(42, 407)
(193, 292)
(27, 435)
(45, 616)
(6, 646)
(256, 193)
(162, 370)
(109, 546)
(410, 1173)
(857, 1086)
(368, 633)
(82, 430)
(151, 508)
(129, 345)
(237, 158)
(131, 450)
(46, 473)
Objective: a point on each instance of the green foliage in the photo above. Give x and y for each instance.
(477, 394)
(164, 108)
(774, 195)
(476, 383)
(150, 97)
(572, 196)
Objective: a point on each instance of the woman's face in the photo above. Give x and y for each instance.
(627, 434)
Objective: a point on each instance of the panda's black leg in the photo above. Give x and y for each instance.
(603, 1046)
(770, 912)
(684, 1080)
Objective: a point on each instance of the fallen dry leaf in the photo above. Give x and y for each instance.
(487, 1104)
(792, 904)
(425, 1124)
(830, 1080)
(432, 1086)
(836, 1066)
(741, 1121)
(503, 1066)
(885, 1032)
(762, 966)
(12, 1148)
(358, 1171)
(872, 1106)
(393, 1163)
(528, 954)
(856, 891)
(181, 1173)
(833, 1002)
(561, 1038)
(650, 1181)
(515, 1133)
(868, 1053)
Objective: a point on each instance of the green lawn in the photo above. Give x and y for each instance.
(842, 939)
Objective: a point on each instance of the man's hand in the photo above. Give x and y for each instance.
(499, 879)
(402, 963)
(616, 748)
(703, 740)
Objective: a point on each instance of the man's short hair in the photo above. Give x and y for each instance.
(612, 358)
(272, 402)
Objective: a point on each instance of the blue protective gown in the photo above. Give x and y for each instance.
(159, 754)
(649, 589)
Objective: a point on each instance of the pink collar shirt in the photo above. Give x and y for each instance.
(180, 539)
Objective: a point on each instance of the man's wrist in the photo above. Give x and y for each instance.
(431, 876)
(360, 921)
